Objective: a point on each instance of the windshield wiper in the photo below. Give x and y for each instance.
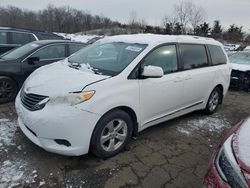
(78, 66)
(75, 65)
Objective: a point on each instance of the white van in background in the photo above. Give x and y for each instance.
(105, 93)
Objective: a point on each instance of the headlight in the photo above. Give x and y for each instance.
(228, 168)
(73, 98)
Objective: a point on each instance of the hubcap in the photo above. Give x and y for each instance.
(114, 135)
(214, 101)
(6, 89)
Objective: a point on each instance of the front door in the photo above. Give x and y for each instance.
(161, 97)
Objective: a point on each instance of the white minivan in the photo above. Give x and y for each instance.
(98, 98)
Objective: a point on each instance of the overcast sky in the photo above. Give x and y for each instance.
(228, 11)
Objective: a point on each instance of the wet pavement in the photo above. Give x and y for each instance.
(172, 154)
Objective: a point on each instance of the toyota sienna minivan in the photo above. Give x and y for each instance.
(101, 96)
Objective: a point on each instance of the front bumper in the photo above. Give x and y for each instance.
(60, 121)
(240, 80)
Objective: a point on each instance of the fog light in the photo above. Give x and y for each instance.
(62, 142)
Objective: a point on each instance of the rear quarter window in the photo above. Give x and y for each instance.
(21, 38)
(193, 56)
(217, 55)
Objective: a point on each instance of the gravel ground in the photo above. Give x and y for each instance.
(172, 154)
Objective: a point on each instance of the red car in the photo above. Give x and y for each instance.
(230, 164)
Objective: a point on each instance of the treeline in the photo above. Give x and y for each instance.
(189, 18)
(186, 18)
(232, 34)
(53, 19)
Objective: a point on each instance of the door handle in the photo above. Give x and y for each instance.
(188, 77)
(178, 79)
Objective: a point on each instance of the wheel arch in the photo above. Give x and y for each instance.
(130, 112)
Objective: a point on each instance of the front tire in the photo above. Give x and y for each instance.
(8, 89)
(213, 101)
(112, 134)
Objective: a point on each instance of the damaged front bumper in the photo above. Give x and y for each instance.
(240, 80)
(61, 129)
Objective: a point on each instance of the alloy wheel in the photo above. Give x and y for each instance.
(6, 89)
(214, 101)
(114, 135)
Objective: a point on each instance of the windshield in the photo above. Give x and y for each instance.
(240, 58)
(108, 58)
(19, 52)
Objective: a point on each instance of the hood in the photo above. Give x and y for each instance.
(240, 67)
(59, 79)
(241, 146)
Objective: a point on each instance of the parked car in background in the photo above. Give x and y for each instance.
(105, 93)
(230, 164)
(231, 47)
(12, 37)
(240, 77)
(18, 64)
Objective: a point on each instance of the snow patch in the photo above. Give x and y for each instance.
(7, 131)
(211, 124)
(12, 173)
(41, 183)
(240, 67)
(77, 37)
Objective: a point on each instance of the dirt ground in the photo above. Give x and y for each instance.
(172, 154)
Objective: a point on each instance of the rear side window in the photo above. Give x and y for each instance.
(3, 37)
(193, 56)
(217, 55)
(21, 38)
(51, 52)
(164, 57)
(74, 48)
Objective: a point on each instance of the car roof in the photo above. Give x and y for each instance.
(13, 29)
(45, 42)
(24, 30)
(153, 39)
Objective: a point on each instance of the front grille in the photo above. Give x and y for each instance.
(30, 100)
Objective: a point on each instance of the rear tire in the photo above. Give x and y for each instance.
(112, 134)
(213, 101)
(8, 89)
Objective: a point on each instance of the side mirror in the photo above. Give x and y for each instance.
(152, 72)
(33, 60)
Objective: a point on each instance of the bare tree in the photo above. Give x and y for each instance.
(169, 24)
(197, 16)
(132, 18)
(56, 19)
(187, 13)
(183, 10)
